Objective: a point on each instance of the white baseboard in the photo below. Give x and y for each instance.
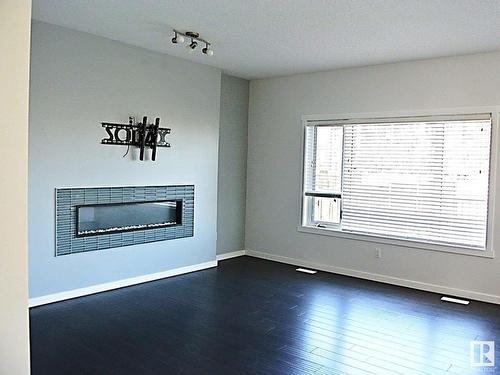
(478, 296)
(56, 297)
(277, 258)
(232, 254)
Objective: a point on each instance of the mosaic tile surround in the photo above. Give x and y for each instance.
(67, 199)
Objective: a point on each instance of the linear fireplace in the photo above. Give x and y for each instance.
(96, 219)
(99, 218)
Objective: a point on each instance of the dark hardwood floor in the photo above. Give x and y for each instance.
(251, 316)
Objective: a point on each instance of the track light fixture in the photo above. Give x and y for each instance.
(194, 37)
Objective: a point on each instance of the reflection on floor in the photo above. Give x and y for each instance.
(251, 316)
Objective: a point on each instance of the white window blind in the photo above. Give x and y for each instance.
(323, 176)
(324, 160)
(419, 180)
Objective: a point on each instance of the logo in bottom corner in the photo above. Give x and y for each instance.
(482, 353)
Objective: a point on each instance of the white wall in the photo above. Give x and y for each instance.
(233, 138)
(274, 164)
(79, 80)
(15, 19)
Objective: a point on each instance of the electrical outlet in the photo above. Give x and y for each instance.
(378, 252)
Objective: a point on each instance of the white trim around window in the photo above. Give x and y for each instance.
(357, 117)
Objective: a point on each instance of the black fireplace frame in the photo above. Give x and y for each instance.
(178, 216)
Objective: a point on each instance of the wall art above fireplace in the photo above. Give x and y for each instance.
(90, 219)
(142, 135)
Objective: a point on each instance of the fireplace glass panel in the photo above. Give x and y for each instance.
(120, 217)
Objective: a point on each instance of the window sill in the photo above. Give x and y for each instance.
(396, 242)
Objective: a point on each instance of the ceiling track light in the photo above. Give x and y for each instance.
(195, 39)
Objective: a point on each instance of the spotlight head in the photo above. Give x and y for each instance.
(193, 44)
(177, 38)
(208, 51)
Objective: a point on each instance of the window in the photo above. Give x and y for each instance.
(419, 179)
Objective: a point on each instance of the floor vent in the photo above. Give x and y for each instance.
(455, 300)
(305, 270)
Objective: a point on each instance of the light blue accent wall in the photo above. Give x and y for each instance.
(232, 164)
(79, 80)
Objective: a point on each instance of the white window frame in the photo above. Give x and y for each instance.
(310, 211)
(489, 251)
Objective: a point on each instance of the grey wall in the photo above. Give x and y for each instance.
(274, 161)
(79, 80)
(232, 164)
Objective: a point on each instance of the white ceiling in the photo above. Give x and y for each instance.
(262, 38)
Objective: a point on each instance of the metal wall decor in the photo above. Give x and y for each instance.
(142, 135)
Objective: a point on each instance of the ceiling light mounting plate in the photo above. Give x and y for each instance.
(192, 34)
